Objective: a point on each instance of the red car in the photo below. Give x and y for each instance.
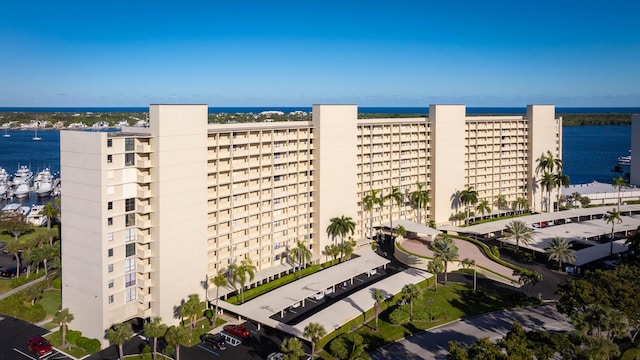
(40, 346)
(237, 330)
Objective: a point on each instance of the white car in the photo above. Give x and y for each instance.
(275, 356)
(317, 296)
(328, 291)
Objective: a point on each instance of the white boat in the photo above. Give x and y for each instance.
(4, 185)
(5, 133)
(22, 191)
(23, 175)
(24, 210)
(36, 217)
(11, 207)
(625, 160)
(43, 182)
(36, 137)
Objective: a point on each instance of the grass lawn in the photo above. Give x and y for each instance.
(5, 285)
(51, 301)
(451, 302)
(55, 339)
(31, 234)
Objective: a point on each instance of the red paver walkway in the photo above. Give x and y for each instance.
(466, 250)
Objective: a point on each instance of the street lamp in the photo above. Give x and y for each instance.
(430, 300)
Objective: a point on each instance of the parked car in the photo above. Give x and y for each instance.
(9, 272)
(237, 330)
(275, 356)
(317, 296)
(216, 341)
(40, 346)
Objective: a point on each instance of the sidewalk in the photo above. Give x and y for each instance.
(21, 287)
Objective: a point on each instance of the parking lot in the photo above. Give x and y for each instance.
(13, 342)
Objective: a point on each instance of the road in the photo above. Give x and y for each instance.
(433, 344)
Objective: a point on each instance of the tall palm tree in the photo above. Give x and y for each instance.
(292, 348)
(518, 232)
(560, 250)
(332, 250)
(346, 249)
(575, 197)
(300, 254)
(435, 267)
(176, 336)
(523, 204)
(420, 199)
(220, 280)
(612, 217)
(468, 197)
(561, 180)
(401, 231)
(619, 183)
(314, 332)
(245, 268)
(378, 296)
(445, 249)
(63, 317)
(500, 202)
(548, 183)
(369, 201)
(395, 196)
(483, 207)
(410, 293)
(155, 329)
(342, 226)
(118, 334)
(51, 210)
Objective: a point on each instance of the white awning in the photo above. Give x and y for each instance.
(412, 227)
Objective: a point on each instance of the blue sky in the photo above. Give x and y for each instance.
(297, 53)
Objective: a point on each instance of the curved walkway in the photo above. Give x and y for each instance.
(466, 250)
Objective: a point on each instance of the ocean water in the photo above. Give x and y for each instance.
(589, 152)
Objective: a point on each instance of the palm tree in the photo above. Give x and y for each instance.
(523, 204)
(468, 196)
(446, 250)
(401, 231)
(155, 329)
(341, 226)
(176, 336)
(347, 249)
(245, 268)
(619, 183)
(560, 250)
(314, 332)
(332, 250)
(378, 296)
(410, 293)
(300, 254)
(467, 264)
(369, 201)
(483, 207)
(118, 334)
(526, 276)
(575, 196)
(435, 267)
(500, 202)
(63, 317)
(220, 280)
(547, 183)
(51, 210)
(396, 196)
(193, 308)
(612, 217)
(561, 180)
(292, 348)
(420, 199)
(518, 232)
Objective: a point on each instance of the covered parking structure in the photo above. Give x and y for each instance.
(278, 300)
(414, 229)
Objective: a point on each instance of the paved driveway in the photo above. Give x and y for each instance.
(13, 340)
(433, 344)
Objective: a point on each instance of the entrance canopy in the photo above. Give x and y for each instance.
(414, 227)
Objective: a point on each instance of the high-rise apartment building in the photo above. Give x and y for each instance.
(149, 213)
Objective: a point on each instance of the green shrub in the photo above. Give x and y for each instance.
(21, 280)
(82, 341)
(92, 346)
(73, 336)
(399, 316)
(495, 251)
(57, 283)
(33, 314)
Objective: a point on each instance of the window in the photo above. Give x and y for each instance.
(110, 299)
(109, 236)
(129, 280)
(129, 264)
(109, 221)
(109, 142)
(129, 219)
(110, 205)
(109, 159)
(110, 252)
(130, 204)
(130, 249)
(129, 234)
(276, 178)
(110, 283)
(130, 294)
(128, 144)
(129, 159)
(110, 268)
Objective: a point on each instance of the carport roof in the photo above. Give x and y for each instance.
(412, 226)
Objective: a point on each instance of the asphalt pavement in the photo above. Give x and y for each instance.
(15, 335)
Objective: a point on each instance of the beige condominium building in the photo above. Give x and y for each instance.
(149, 213)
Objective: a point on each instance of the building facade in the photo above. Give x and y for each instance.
(151, 213)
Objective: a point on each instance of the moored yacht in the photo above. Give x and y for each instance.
(36, 217)
(22, 191)
(23, 175)
(43, 183)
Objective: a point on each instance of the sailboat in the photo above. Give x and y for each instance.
(5, 133)
(36, 138)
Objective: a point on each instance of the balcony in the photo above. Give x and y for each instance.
(143, 251)
(143, 267)
(144, 193)
(143, 148)
(143, 208)
(143, 162)
(143, 281)
(143, 237)
(145, 313)
(144, 297)
(144, 178)
(143, 222)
